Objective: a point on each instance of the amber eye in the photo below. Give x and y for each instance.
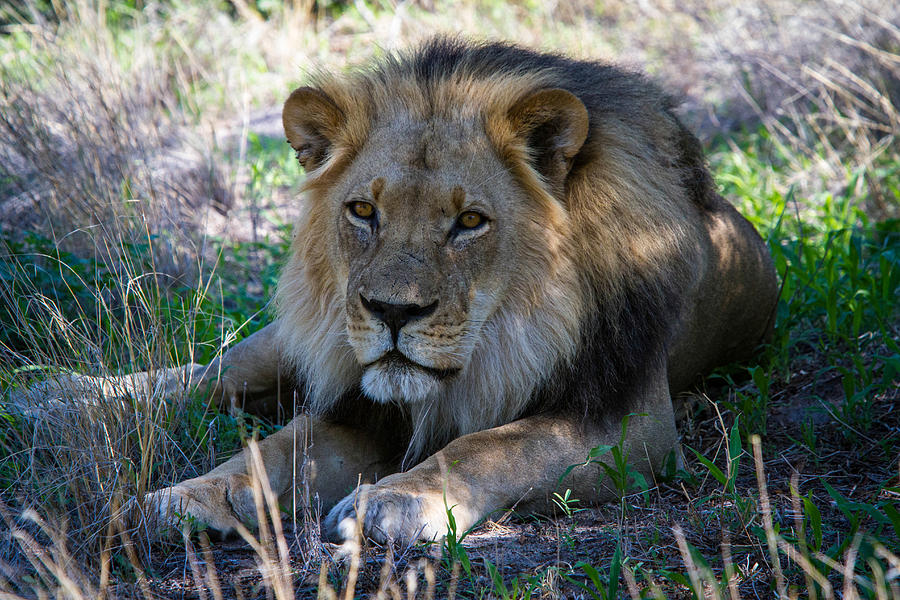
(470, 220)
(363, 210)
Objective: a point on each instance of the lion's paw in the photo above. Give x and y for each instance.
(390, 515)
(220, 504)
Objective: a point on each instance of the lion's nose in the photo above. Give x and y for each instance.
(395, 316)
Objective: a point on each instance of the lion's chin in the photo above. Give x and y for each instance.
(392, 381)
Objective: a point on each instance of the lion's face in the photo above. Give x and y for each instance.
(425, 225)
(434, 240)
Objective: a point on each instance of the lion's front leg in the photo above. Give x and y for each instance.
(518, 464)
(247, 376)
(333, 458)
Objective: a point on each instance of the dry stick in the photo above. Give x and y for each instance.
(412, 580)
(294, 459)
(272, 504)
(693, 570)
(428, 571)
(258, 502)
(454, 581)
(729, 565)
(880, 583)
(726, 439)
(869, 91)
(888, 57)
(56, 564)
(849, 563)
(808, 568)
(891, 558)
(273, 575)
(356, 547)
(830, 562)
(771, 537)
(211, 575)
(395, 591)
(105, 557)
(266, 569)
(310, 517)
(32, 551)
(654, 588)
(656, 487)
(630, 581)
(15, 533)
(325, 590)
(192, 561)
(261, 487)
(894, 570)
(128, 545)
(384, 579)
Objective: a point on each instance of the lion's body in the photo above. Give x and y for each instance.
(603, 273)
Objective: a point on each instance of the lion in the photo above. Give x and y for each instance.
(502, 253)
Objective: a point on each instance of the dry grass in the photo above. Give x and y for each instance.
(115, 139)
(94, 147)
(286, 566)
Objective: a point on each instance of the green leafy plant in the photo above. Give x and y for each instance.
(734, 449)
(603, 586)
(566, 503)
(622, 475)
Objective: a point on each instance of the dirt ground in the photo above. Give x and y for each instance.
(547, 552)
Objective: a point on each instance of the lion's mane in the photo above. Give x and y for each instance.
(599, 297)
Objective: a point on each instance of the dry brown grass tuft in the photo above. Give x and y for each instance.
(824, 79)
(94, 147)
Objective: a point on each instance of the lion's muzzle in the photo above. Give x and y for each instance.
(394, 375)
(395, 316)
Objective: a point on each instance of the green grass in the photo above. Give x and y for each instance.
(840, 280)
(838, 320)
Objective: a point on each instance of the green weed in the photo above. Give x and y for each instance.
(622, 474)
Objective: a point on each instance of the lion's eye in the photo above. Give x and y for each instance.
(363, 210)
(470, 220)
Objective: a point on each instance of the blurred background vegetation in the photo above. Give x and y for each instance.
(146, 196)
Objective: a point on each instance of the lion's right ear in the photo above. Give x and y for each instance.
(312, 122)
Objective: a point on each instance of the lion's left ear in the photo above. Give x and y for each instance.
(554, 126)
(312, 123)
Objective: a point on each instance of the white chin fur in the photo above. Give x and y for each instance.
(393, 382)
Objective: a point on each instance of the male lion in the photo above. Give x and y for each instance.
(501, 254)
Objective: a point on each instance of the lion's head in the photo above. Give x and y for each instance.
(441, 261)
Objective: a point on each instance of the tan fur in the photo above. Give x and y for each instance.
(589, 221)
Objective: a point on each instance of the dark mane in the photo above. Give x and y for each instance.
(603, 88)
(621, 335)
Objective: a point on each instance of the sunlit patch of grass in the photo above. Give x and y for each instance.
(838, 308)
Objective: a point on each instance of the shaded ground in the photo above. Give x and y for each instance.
(546, 553)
